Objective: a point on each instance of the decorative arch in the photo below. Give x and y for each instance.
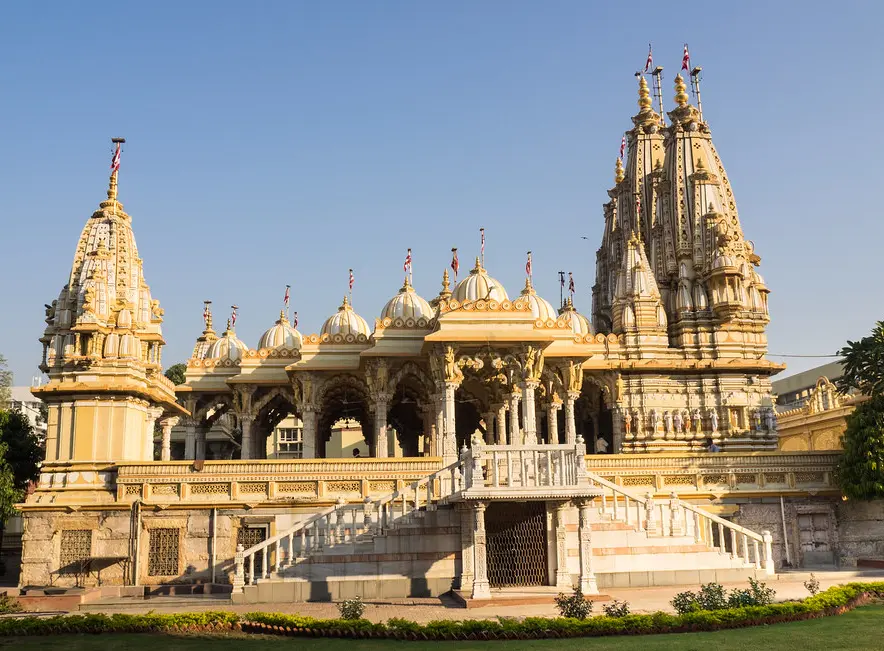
(343, 396)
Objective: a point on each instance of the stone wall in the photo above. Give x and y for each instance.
(860, 531)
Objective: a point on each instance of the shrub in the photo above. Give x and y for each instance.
(576, 606)
(712, 597)
(617, 608)
(813, 585)
(9, 604)
(685, 602)
(351, 608)
(762, 595)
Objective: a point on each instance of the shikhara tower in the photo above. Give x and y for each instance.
(673, 202)
(102, 348)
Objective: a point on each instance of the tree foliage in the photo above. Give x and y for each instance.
(863, 363)
(23, 452)
(861, 468)
(5, 384)
(176, 373)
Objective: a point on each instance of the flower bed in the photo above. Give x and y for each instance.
(834, 601)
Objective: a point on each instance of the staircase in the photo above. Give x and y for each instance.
(406, 543)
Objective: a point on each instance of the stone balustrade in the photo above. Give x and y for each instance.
(719, 474)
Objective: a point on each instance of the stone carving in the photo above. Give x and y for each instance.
(627, 422)
(533, 364)
(770, 420)
(698, 421)
(713, 419)
(638, 422)
(667, 422)
(452, 372)
(678, 422)
(654, 421)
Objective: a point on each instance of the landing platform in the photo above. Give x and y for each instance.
(541, 595)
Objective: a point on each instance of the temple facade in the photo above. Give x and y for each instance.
(448, 442)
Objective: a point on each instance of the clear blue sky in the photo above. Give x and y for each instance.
(282, 143)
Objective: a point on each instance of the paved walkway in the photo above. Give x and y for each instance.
(787, 585)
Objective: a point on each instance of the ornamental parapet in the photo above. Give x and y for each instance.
(717, 475)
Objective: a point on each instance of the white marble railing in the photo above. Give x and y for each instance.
(523, 466)
(675, 517)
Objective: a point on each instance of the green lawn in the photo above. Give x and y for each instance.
(856, 631)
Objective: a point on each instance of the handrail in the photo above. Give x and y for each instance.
(714, 518)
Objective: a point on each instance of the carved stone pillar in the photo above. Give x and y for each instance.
(466, 548)
(552, 421)
(570, 425)
(529, 411)
(488, 417)
(201, 433)
(247, 451)
(166, 451)
(308, 416)
(515, 436)
(563, 575)
(439, 428)
(500, 423)
(449, 439)
(190, 441)
(381, 444)
(588, 583)
(481, 587)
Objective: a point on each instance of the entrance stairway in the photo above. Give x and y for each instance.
(406, 543)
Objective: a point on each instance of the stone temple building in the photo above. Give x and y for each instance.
(477, 408)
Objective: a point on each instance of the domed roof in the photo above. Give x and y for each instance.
(281, 335)
(579, 323)
(540, 308)
(227, 347)
(479, 286)
(345, 322)
(407, 304)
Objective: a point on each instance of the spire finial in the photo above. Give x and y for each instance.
(282, 317)
(644, 95)
(446, 286)
(478, 266)
(207, 315)
(681, 95)
(115, 168)
(619, 174)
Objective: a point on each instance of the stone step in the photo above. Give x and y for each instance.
(144, 604)
(686, 577)
(663, 560)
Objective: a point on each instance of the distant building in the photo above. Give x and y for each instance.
(27, 403)
(793, 391)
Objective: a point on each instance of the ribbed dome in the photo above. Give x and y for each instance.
(345, 322)
(579, 323)
(407, 304)
(540, 307)
(281, 335)
(479, 286)
(228, 347)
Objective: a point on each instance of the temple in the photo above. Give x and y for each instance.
(500, 443)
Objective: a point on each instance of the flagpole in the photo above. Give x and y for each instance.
(350, 287)
(561, 289)
(482, 232)
(695, 86)
(658, 90)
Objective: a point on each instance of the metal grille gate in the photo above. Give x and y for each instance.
(516, 538)
(247, 537)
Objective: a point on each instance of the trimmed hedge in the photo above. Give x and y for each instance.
(834, 601)
(121, 623)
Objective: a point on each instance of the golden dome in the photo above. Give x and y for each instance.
(281, 335)
(407, 304)
(540, 308)
(579, 323)
(345, 322)
(227, 347)
(479, 286)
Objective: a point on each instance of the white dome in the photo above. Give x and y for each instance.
(541, 309)
(281, 336)
(407, 304)
(227, 347)
(345, 322)
(579, 323)
(479, 286)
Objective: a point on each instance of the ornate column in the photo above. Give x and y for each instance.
(439, 426)
(466, 548)
(570, 425)
(167, 424)
(190, 440)
(247, 451)
(515, 436)
(552, 420)
(308, 417)
(201, 433)
(500, 423)
(488, 417)
(588, 583)
(529, 411)
(563, 575)
(381, 444)
(481, 588)
(449, 438)
(428, 426)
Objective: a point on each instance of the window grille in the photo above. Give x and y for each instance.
(248, 537)
(162, 558)
(76, 547)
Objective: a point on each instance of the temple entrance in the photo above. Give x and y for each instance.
(517, 550)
